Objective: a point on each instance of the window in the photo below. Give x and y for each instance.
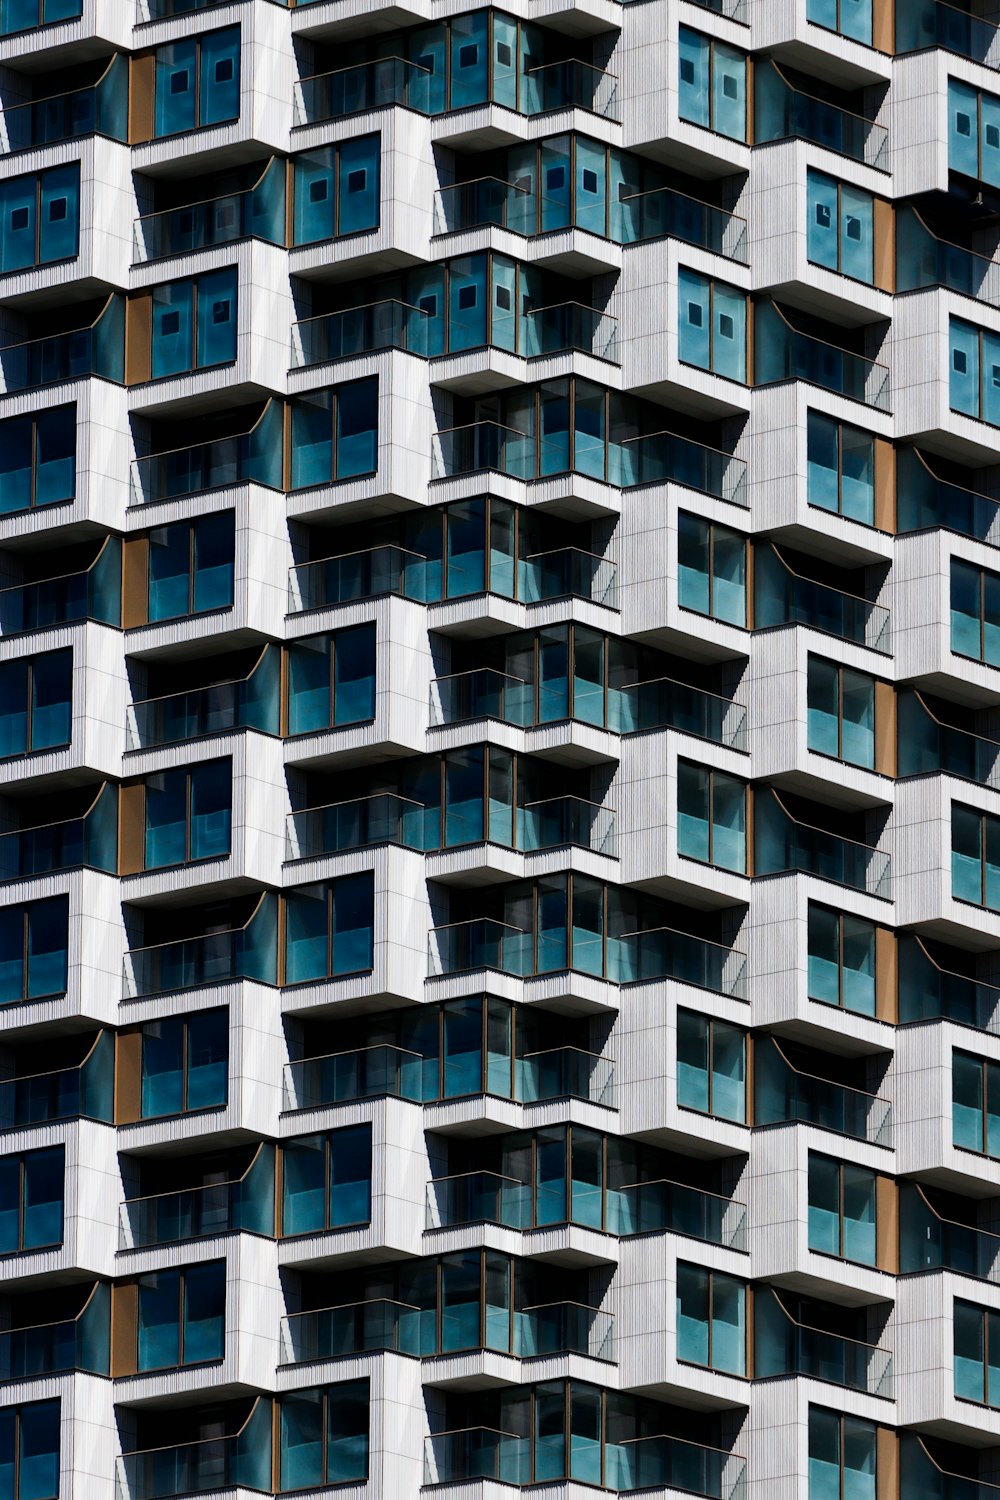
(324, 1436)
(33, 950)
(840, 468)
(335, 433)
(327, 1181)
(711, 569)
(841, 960)
(29, 1451)
(194, 323)
(24, 15)
(712, 325)
(39, 218)
(330, 929)
(36, 695)
(841, 1210)
(711, 817)
(973, 133)
(977, 1354)
(712, 85)
(184, 1063)
(336, 190)
(188, 814)
(37, 459)
(840, 227)
(975, 857)
(182, 1316)
(711, 1320)
(197, 82)
(975, 1103)
(841, 712)
(974, 374)
(711, 1067)
(975, 613)
(191, 566)
(842, 1456)
(31, 1200)
(850, 18)
(331, 680)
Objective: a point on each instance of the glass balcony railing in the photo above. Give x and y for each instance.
(86, 1091)
(664, 213)
(482, 446)
(244, 1205)
(782, 112)
(934, 23)
(559, 822)
(384, 818)
(93, 594)
(164, 10)
(82, 1343)
(99, 109)
(734, 10)
(928, 992)
(664, 457)
(784, 597)
(923, 502)
(783, 845)
(565, 1073)
(96, 350)
(784, 1346)
(568, 573)
(676, 1208)
(462, 947)
(664, 704)
(921, 1476)
(240, 1460)
(484, 201)
(87, 842)
(483, 693)
(930, 1242)
(248, 952)
(928, 746)
(923, 260)
(478, 1198)
(784, 352)
(661, 953)
(785, 1095)
(249, 702)
(253, 457)
(477, 1453)
(258, 213)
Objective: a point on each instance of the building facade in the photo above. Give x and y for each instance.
(500, 749)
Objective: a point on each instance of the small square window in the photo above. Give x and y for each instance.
(179, 81)
(503, 298)
(555, 177)
(19, 218)
(319, 190)
(960, 361)
(823, 216)
(468, 55)
(687, 70)
(57, 210)
(466, 297)
(429, 304)
(504, 55)
(963, 124)
(730, 87)
(727, 328)
(853, 228)
(695, 314)
(357, 180)
(170, 323)
(993, 135)
(222, 311)
(224, 70)
(589, 180)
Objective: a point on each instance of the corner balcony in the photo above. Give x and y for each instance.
(783, 596)
(936, 23)
(81, 1342)
(85, 1090)
(100, 108)
(254, 457)
(921, 1474)
(663, 703)
(242, 1205)
(88, 842)
(256, 213)
(925, 502)
(239, 1460)
(785, 1095)
(783, 112)
(924, 260)
(246, 952)
(97, 348)
(928, 745)
(93, 593)
(784, 352)
(660, 953)
(249, 702)
(929, 1241)
(928, 991)
(677, 1208)
(667, 458)
(784, 1346)
(785, 845)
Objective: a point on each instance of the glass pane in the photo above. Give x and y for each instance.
(692, 1061)
(694, 54)
(204, 1312)
(694, 319)
(159, 1321)
(692, 1314)
(173, 314)
(207, 1059)
(859, 1215)
(43, 1198)
(857, 234)
(970, 1352)
(728, 1072)
(967, 1101)
(162, 1068)
(216, 295)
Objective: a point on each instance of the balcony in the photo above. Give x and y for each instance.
(97, 349)
(930, 746)
(784, 845)
(253, 457)
(783, 112)
(660, 953)
(258, 213)
(86, 842)
(98, 109)
(666, 458)
(664, 704)
(928, 1241)
(664, 213)
(243, 1205)
(930, 992)
(923, 260)
(925, 501)
(78, 1343)
(784, 352)
(94, 593)
(784, 1346)
(934, 23)
(677, 1208)
(239, 1460)
(483, 693)
(784, 597)
(85, 1091)
(247, 952)
(478, 1198)
(249, 702)
(785, 1095)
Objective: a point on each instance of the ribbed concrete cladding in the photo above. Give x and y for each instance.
(499, 749)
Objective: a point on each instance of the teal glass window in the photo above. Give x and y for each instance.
(331, 680)
(324, 1436)
(712, 84)
(37, 459)
(712, 325)
(840, 468)
(841, 1209)
(182, 1316)
(29, 1446)
(194, 323)
(973, 133)
(842, 1456)
(975, 613)
(711, 1066)
(335, 433)
(336, 190)
(40, 218)
(841, 712)
(191, 566)
(34, 942)
(184, 1063)
(975, 1103)
(977, 1353)
(974, 371)
(711, 1320)
(711, 817)
(841, 960)
(31, 1200)
(711, 569)
(330, 929)
(840, 227)
(197, 82)
(975, 857)
(188, 814)
(327, 1181)
(850, 18)
(25, 15)
(36, 699)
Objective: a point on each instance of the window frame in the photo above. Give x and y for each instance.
(712, 1276)
(712, 527)
(26, 907)
(840, 669)
(842, 1418)
(713, 43)
(21, 1157)
(711, 1022)
(17, 1442)
(29, 662)
(328, 1404)
(181, 1273)
(185, 1021)
(198, 39)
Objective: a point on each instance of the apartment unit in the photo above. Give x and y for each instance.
(500, 749)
